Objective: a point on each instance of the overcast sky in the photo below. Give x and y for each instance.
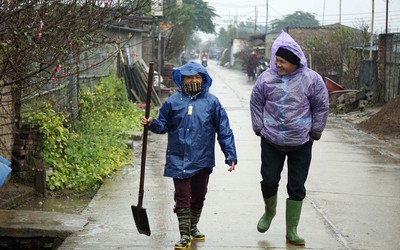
(351, 12)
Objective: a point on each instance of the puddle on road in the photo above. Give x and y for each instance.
(56, 204)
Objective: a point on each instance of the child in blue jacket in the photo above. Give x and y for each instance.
(193, 119)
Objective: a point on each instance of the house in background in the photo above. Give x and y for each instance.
(328, 50)
(132, 41)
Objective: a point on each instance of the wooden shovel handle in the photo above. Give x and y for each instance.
(145, 133)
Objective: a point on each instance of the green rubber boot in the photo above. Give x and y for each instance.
(194, 219)
(270, 211)
(293, 211)
(184, 228)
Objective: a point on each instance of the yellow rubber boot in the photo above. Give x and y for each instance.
(184, 228)
(194, 219)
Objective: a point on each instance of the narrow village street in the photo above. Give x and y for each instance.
(352, 201)
(77, 77)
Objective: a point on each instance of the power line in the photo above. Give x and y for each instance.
(380, 18)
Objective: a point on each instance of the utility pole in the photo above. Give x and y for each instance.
(371, 43)
(157, 10)
(323, 14)
(236, 24)
(255, 21)
(340, 11)
(266, 18)
(266, 32)
(387, 12)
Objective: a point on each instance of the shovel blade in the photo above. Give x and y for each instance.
(141, 220)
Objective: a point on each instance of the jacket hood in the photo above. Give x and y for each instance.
(284, 40)
(189, 69)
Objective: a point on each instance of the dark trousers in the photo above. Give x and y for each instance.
(272, 162)
(191, 192)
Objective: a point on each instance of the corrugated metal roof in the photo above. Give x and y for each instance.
(329, 26)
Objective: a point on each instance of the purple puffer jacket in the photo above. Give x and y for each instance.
(286, 109)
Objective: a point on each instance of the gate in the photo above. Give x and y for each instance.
(389, 66)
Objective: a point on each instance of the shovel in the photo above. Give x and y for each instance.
(139, 213)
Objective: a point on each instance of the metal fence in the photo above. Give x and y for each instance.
(62, 91)
(390, 75)
(382, 74)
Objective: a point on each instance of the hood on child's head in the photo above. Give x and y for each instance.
(189, 69)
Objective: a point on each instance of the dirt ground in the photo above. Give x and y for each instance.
(14, 194)
(386, 122)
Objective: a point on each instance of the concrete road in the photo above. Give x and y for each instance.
(353, 197)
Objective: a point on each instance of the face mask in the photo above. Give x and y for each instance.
(192, 84)
(192, 88)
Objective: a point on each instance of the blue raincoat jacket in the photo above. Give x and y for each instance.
(191, 137)
(287, 109)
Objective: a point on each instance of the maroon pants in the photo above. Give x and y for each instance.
(191, 192)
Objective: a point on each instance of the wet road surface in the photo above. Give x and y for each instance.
(353, 197)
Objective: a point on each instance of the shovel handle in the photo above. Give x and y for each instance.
(145, 133)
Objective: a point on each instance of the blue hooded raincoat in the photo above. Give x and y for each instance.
(287, 109)
(191, 135)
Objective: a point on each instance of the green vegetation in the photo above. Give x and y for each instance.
(83, 156)
(186, 20)
(297, 19)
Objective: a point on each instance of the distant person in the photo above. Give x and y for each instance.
(252, 63)
(204, 58)
(204, 55)
(192, 117)
(184, 58)
(289, 109)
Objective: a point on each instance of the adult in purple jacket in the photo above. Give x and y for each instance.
(289, 109)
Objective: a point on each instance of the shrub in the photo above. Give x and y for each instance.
(84, 154)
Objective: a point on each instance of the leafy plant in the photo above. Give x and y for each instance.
(82, 157)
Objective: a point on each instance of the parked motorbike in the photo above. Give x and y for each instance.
(262, 66)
